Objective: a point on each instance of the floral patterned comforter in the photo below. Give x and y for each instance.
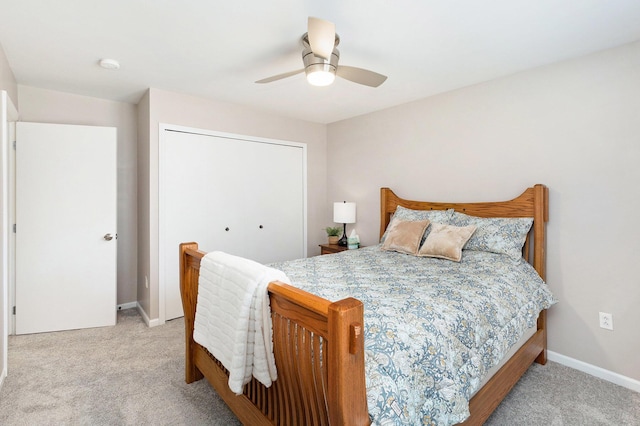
(433, 327)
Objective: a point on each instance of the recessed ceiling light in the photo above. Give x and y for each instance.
(110, 64)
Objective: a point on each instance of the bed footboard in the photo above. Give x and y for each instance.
(319, 351)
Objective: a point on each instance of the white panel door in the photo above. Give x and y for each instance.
(66, 194)
(244, 197)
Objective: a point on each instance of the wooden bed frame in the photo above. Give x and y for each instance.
(319, 345)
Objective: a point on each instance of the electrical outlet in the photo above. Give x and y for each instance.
(606, 321)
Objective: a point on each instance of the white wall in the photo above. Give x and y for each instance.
(48, 106)
(173, 108)
(574, 126)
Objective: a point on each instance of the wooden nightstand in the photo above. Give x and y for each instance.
(332, 248)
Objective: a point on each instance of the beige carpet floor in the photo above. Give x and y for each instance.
(124, 375)
(134, 375)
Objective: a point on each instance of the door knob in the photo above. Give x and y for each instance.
(108, 237)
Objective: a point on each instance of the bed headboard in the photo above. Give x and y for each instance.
(533, 202)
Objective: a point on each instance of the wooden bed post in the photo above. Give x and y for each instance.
(347, 397)
(540, 219)
(388, 202)
(189, 275)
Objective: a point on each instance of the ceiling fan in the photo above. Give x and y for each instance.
(320, 57)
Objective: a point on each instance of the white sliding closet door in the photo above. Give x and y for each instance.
(243, 196)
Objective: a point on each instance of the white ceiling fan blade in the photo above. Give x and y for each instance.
(360, 76)
(279, 76)
(322, 37)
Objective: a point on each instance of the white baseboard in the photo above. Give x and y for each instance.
(129, 305)
(601, 373)
(145, 317)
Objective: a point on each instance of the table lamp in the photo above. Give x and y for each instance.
(344, 213)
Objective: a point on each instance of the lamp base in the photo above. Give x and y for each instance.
(343, 240)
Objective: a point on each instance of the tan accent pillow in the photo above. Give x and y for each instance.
(446, 241)
(404, 236)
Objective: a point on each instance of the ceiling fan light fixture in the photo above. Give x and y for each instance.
(319, 71)
(319, 75)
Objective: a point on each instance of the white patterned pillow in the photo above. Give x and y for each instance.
(403, 213)
(503, 235)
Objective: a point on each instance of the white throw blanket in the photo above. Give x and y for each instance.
(233, 316)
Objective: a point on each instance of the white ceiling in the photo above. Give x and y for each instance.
(217, 49)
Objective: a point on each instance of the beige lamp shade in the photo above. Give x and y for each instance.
(344, 212)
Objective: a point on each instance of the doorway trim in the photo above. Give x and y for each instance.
(8, 117)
